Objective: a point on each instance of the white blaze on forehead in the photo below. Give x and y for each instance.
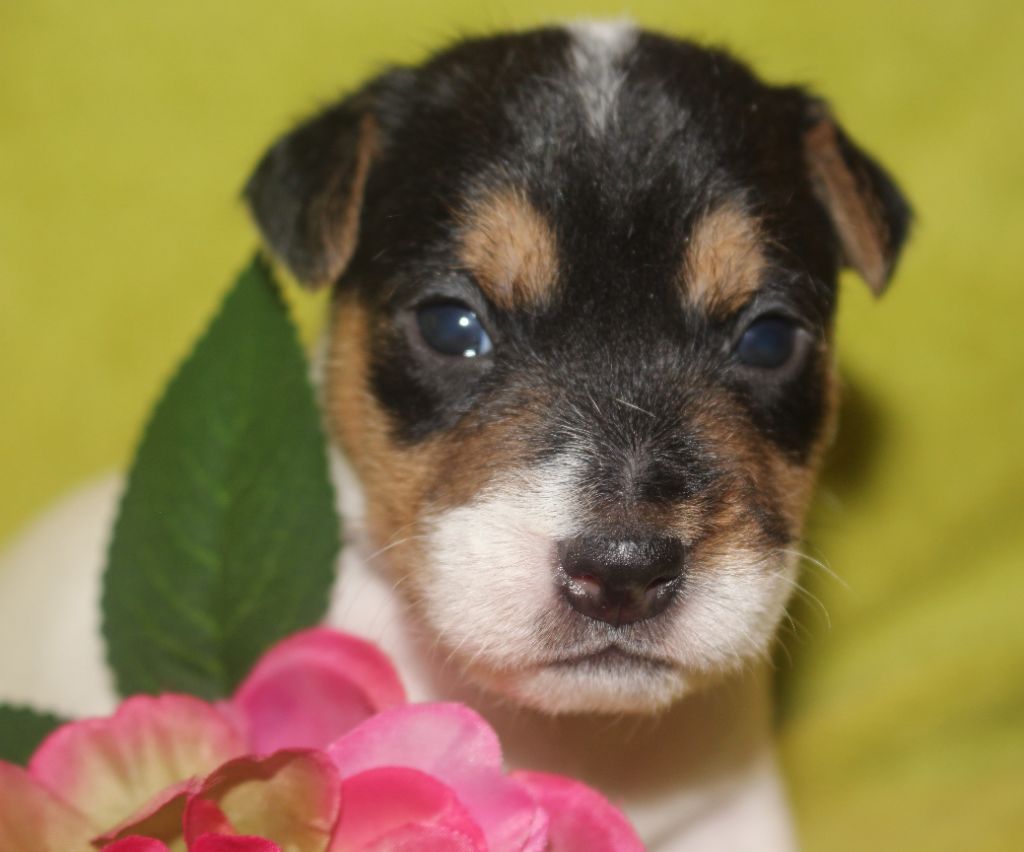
(598, 48)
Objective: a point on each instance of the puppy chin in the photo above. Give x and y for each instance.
(587, 688)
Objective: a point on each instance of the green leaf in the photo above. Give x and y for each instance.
(21, 731)
(227, 534)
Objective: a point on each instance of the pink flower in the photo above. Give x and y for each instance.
(316, 752)
(204, 843)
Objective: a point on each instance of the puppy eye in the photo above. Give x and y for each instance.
(768, 343)
(452, 328)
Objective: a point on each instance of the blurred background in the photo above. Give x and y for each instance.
(127, 129)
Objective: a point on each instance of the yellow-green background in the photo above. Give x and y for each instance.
(127, 127)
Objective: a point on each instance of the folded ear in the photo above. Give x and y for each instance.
(869, 213)
(306, 194)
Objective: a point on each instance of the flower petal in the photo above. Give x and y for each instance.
(32, 819)
(440, 739)
(136, 843)
(108, 768)
(205, 817)
(580, 818)
(455, 745)
(423, 838)
(232, 843)
(308, 690)
(160, 818)
(391, 801)
(290, 797)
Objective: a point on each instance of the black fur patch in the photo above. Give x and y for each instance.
(621, 364)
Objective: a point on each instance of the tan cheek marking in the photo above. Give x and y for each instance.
(394, 478)
(724, 260)
(792, 485)
(405, 484)
(508, 246)
(759, 467)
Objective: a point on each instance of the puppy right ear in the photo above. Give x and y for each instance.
(306, 194)
(869, 213)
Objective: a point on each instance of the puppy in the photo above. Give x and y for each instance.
(580, 372)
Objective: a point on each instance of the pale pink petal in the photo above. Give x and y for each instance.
(510, 817)
(580, 818)
(228, 843)
(136, 843)
(455, 745)
(535, 833)
(423, 838)
(290, 797)
(313, 687)
(109, 768)
(32, 819)
(377, 803)
(439, 739)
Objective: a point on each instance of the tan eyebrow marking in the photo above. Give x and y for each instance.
(510, 248)
(724, 259)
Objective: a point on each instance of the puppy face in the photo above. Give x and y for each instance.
(580, 353)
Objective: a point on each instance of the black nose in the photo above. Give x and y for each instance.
(621, 581)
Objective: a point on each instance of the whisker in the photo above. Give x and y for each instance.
(785, 650)
(817, 563)
(393, 544)
(809, 595)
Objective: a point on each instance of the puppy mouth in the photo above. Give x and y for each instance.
(611, 657)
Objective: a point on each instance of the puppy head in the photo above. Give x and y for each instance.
(581, 346)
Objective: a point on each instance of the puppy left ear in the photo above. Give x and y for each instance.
(306, 194)
(869, 213)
